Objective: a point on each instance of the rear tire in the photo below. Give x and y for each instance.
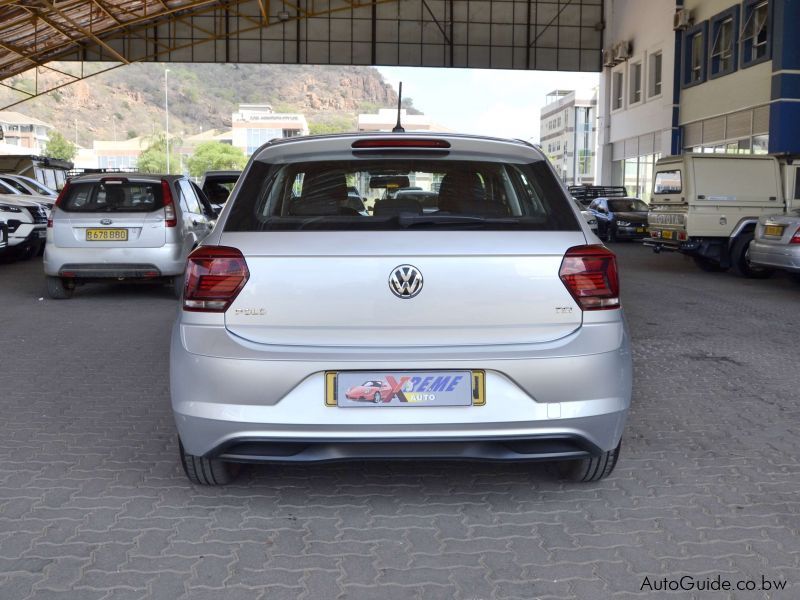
(57, 290)
(741, 262)
(708, 265)
(207, 471)
(594, 468)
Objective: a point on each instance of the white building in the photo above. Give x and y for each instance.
(569, 134)
(24, 132)
(696, 76)
(256, 124)
(386, 119)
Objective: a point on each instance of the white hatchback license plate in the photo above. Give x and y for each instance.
(404, 388)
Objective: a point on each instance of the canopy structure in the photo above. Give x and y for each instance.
(548, 35)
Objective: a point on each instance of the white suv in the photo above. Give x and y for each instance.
(123, 227)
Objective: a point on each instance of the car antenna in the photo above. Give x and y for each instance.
(399, 128)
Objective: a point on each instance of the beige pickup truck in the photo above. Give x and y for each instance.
(707, 205)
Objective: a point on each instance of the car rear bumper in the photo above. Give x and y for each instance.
(547, 406)
(105, 262)
(779, 256)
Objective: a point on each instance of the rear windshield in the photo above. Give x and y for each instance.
(401, 194)
(628, 205)
(112, 197)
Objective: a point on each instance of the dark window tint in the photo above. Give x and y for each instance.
(112, 197)
(469, 195)
(16, 185)
(797, 184)
(628, 205)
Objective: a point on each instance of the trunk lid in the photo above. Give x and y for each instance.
(144, 230)
(332, 288)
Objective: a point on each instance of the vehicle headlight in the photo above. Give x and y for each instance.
(623, 223)
(592, 221)
(10, 209)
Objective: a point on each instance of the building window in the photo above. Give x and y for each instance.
(755, 32)
(616, 102)
(694, 66)
(635, 78)
(655, 74)
(724, 28)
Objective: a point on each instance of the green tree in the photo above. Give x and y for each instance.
(331, 124)
(215, 156)
(60, 147)
(154, 157)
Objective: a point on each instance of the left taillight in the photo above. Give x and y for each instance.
(214, 277)
(170, 217)
(61, 195)
(590, 275)
(796, 237)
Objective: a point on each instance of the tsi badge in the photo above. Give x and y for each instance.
(250, 312)
(405, 281)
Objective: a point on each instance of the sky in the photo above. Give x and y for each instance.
(483, 101)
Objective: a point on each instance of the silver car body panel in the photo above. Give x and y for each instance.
(320, 301)
(776, 252)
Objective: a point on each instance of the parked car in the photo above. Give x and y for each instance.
(9, 190)
(373, 390)
(132, 227)
(218, 185)
(28, 186)
(489, 319)
(587, 215)
(620, 218)
(26, 226)
(777, 243)
(707, 206)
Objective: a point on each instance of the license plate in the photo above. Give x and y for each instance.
(350, 389)
(775, 230)
(667, 235)
(640, 230)
(106, 235)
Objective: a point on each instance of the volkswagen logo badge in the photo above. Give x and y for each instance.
(106, 221)
(405, 281)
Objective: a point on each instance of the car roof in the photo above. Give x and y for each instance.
(341, 143)
(140, 177)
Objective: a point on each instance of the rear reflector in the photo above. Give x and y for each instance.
(214, 277)
(590, 275)
(796, 237)
(400, 142)
(62, 194)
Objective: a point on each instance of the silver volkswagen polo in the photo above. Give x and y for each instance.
(488, 329)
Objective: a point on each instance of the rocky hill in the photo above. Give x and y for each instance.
(129, 101)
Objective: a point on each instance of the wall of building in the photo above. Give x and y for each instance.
(636, 132)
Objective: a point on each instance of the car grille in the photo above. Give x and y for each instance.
(38, 213)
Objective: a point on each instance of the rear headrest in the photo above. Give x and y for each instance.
(323, 194)
(389, 207)
(459, 189)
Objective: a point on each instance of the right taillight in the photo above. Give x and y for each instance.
(214, 277)
(590, 274)
(170, 218)
(796, 237)
(61, 195)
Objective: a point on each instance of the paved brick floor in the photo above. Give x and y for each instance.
(93, 504)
